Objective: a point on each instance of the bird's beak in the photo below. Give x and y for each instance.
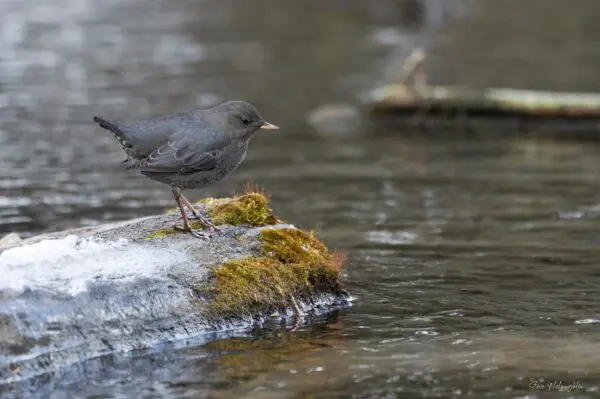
(269, 126)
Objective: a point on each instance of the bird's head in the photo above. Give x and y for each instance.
(240, 119)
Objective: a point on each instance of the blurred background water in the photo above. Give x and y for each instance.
(474, 260)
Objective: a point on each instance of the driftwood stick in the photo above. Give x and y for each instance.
(412, 66)
(420, 100)
(487, 102)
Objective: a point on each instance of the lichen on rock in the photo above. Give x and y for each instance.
(195, 224)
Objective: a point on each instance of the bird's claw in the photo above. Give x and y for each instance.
(195, 233)
(199, 234)
(206, 222)
(213, 227)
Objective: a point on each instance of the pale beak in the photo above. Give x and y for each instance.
(269, 126)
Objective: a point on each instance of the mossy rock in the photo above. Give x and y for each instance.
(171, 286)
(294, 265)
(291, 264)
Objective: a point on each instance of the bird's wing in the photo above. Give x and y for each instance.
(184, 153)
(140, 138)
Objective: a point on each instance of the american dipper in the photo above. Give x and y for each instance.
(190, 149)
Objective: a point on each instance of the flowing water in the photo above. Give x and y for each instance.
(473, 260)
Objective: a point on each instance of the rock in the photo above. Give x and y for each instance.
(70, 296)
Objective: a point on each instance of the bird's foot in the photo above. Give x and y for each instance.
(196, 233)
(205, 221)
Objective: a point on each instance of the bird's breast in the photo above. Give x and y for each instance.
(234, 155)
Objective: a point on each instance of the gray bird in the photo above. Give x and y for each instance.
(190, 149)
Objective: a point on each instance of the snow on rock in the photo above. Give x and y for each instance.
(68, 264)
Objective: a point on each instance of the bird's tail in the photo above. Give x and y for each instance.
(116, 131)
(108, 125)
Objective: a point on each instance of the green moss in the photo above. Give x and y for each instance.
(251, 209)
(294, 246)
(294, 265)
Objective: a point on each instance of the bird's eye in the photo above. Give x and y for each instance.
(245, 121)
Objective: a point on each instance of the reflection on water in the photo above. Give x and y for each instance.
(474, 261)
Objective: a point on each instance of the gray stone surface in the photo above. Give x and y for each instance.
(70, 296)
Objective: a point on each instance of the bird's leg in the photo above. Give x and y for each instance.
(197, 214)
(186, 224)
